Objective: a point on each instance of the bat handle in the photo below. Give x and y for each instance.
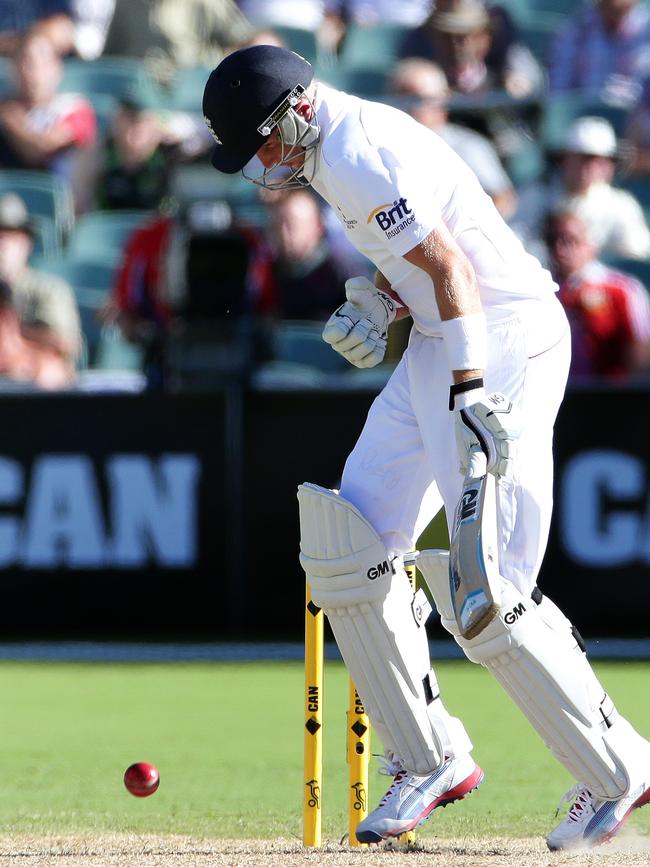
(477, 465)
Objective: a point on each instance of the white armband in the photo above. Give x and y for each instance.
(466, 341)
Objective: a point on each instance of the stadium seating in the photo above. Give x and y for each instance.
(114, 352)
(186, 89)
(526, 166)
(90, 267)
(46, 241)
(45, 195)
(298, 39)
(361, 81)
(90, 302)
(301, 342)
(116, 77)
(537, 33)
(103, 234)
(107, 80)
(527, 11)
(200, 180)
(365, 59)
(93, 274)
(564, 9)
(5, 77)
(370, 46)
(560, 111)
(91, 279)
(194, 183)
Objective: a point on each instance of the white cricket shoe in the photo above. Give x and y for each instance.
(411, 799)
(592, 821)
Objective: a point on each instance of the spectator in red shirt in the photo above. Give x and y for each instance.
(609, 311)
(41, 128)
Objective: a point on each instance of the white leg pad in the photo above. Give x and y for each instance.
(369, 604)
(533, 653)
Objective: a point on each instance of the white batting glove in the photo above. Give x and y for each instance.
(358, 329)
(489, 423)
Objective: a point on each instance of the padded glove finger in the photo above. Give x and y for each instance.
(340, 323)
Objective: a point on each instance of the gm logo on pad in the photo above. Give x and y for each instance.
(378, 570)
(392, 217)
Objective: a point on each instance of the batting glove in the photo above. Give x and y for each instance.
(489, 423)
(358, 329)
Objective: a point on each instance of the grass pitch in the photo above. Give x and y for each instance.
(227, 739)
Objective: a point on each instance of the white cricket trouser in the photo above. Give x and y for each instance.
(405, 465)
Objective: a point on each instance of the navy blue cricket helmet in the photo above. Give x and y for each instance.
(246, 95)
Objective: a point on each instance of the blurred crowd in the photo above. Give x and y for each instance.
(123, 252)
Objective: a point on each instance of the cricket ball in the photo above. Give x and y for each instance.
(141, 779)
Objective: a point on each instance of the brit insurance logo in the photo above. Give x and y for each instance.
(392, 217)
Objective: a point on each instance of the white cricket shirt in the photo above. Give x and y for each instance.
(390, 180)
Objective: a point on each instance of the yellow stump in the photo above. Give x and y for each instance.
(358, 756)
(313, 733)
(357, 741)
(410, 569)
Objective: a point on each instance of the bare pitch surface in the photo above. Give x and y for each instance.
(123, 850)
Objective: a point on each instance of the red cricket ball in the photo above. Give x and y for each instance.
(141, 779)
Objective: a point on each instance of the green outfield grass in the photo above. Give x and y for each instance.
(228, 741)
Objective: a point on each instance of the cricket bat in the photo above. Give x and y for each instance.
(474, 578)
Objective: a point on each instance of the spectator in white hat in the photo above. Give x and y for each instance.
(613, 216)
(584, 185)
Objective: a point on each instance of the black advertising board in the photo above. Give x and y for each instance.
(111, 515)
(597, 566)
(175, 517)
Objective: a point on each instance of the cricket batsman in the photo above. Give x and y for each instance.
(481, 380)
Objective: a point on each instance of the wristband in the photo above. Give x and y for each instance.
(466, 342)
(463, 394)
